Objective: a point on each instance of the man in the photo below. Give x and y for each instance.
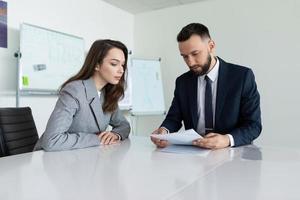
(217, 99)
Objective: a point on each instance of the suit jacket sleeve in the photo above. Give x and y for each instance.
(249, 126)
(173, 120)
(56, 136)
(120, 124)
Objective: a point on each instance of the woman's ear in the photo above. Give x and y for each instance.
(97, 67)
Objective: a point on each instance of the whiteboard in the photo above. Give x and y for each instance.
(48, 58)
(147, 88)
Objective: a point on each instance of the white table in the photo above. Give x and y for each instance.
(135, 170)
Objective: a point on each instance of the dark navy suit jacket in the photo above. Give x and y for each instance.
(237, 104)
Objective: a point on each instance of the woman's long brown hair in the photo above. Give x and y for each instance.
(96, 54)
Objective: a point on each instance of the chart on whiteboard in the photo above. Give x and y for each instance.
(48, 57)
(147, 89)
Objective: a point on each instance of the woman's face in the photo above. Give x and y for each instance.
(112, 68)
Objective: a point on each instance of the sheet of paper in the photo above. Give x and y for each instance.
(184, 149)
(182, 138)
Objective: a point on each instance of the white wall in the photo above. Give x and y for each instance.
(93, 19)
(261, 34)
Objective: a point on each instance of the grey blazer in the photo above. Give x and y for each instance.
(78, 117)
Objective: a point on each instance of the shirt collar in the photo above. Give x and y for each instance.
(213, 74)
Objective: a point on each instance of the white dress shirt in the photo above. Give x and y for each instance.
(213, 76)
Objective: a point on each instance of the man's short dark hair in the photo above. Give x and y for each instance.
(193, 29)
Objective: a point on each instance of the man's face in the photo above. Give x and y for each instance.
(197, 54)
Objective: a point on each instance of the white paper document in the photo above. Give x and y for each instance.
(184, 149)
(182, 138)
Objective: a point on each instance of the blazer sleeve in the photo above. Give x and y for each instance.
(56, 136)
(249, 126)
(173, 120)
(119, 124)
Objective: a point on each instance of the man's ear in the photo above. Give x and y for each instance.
(211, 45)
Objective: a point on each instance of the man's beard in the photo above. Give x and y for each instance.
(205, 67)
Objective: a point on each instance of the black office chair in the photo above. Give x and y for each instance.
(1, 144)
(18, 133)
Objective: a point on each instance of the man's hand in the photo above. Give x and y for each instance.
(159, 143)
(213, 141)
(108, 137)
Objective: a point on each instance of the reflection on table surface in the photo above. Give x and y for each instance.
(135, 169)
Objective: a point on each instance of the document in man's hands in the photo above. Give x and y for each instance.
(183, 137)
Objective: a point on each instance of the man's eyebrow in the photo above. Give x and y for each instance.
(195, 51)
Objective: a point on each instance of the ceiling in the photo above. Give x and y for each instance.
(139, 6)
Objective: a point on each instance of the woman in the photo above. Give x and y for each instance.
(88, 102)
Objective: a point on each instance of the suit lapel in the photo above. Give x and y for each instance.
(192, 95)
(221, 90)
(95, 102)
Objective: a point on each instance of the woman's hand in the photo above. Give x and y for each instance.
(108, 137)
